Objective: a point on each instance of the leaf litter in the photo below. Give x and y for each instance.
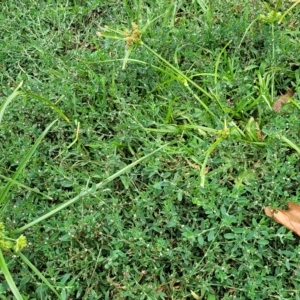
(282, 100)
(289, 218)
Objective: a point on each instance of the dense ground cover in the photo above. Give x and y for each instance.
(187, 222)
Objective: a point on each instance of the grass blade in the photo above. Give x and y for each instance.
(38, 273)
(25, 186)
(183, 78)
(88, 191)
(9, 99)
(49, 103)
(8, 278)
(289, 142)
(286, 12)
(208, 152)
(21, 167)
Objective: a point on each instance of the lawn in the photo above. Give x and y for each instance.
(139, 144)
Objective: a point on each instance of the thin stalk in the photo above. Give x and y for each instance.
(208, 152)
(185, 79)
(25, 186)
(216, 74)
(9, 278)
(38, 273)
(246, 31)
(86, 192)
(289, 142)
(14, 94)
(26, 158)
(283, 16)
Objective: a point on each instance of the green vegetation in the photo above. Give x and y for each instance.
(139, 145)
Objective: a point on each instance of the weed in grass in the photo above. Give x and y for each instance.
(204, 78)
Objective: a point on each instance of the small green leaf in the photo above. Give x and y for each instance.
(211, 236)
(263, 242)
(64, 238)
(211, 297)
(200, 240)
(229, 236)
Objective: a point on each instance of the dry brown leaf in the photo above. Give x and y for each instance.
(283, 99)
(289, 218)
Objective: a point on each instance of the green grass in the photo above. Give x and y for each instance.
(152, 181)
